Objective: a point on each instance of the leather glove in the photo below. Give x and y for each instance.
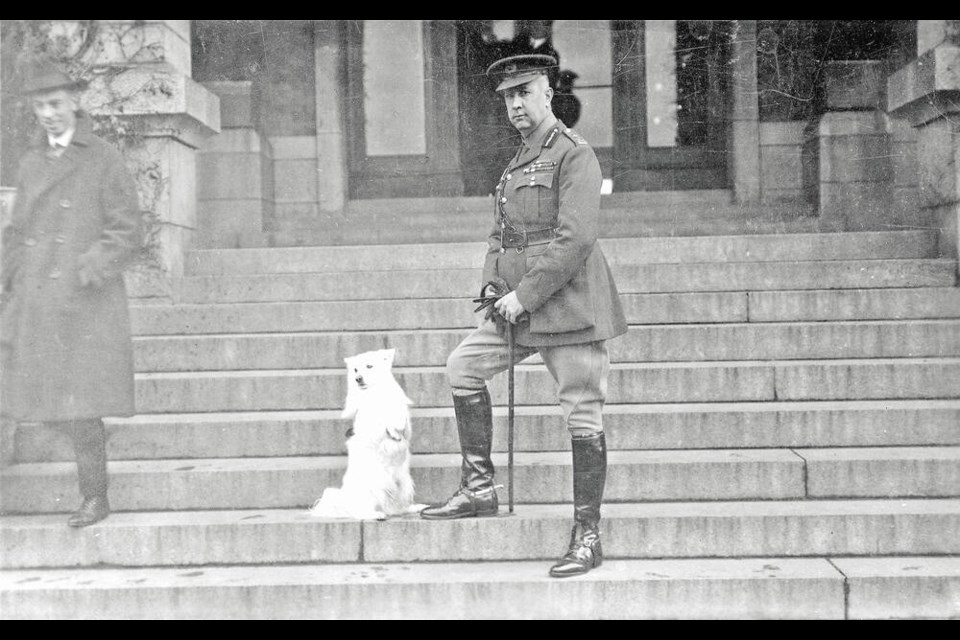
(494, 290)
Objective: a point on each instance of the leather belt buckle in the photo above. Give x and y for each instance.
(512, 238)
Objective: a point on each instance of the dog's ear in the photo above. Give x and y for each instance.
(388, 356)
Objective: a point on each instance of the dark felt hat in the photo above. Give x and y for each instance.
(44, 75)
(516, 70)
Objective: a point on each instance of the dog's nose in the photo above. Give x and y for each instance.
(359, 379)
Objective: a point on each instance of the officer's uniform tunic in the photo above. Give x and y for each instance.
(544, 245)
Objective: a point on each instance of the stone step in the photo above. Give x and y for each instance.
(642, 278)
(857, 304)
(701, 588)
(534, 532)
(260, 483)
(273, 390)
(416, 220)
(452, 206)
(639, 308)
(658, 343)
(537, 428)
(718, 474)
(756, 248)
(880, 471)
(905, 587)
(772, 588)
(403, 227)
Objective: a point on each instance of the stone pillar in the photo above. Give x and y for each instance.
(236, 184)
(331, 82)
(927, 93)
(848, 155)
(744, 145)
(142, 75)
(7, 427)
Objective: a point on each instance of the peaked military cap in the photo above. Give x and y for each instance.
(44, 75)
(516, 70)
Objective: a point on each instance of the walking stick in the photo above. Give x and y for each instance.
(512, 347)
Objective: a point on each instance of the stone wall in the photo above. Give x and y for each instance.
(780, 161)
(235, 173)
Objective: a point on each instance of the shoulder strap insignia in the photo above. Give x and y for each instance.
(573, 135)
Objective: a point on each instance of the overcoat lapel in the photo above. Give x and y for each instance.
(41, 174)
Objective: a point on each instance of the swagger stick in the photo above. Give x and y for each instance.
(512, 347)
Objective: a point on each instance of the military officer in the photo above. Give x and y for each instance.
(67, 355)
(561, 301)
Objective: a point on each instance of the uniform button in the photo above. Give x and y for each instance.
(59, 239)
(65, 203)
(55, 274)
(509, 175)
(503, 198)
(30, 242)
(502, 250)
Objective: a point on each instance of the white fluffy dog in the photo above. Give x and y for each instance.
(377, 483)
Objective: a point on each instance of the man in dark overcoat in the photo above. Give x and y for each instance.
(556, 290)
(67, 357)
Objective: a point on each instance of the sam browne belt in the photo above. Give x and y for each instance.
(513, 238)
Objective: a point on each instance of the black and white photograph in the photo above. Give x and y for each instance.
(480, 319)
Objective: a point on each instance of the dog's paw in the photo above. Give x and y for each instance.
(416, 508)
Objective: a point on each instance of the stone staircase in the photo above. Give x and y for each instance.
(783, 418)
(637, 214)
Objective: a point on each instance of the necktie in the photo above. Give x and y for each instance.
(55, 150)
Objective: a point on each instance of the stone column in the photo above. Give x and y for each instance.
(331, 139)
(851, 149)
(7, 427)
(236, 182)
(744, 147)
(142, 75)
(927, 93)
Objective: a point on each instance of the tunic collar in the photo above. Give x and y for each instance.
(535, 140)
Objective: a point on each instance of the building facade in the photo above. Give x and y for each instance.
(271, 132)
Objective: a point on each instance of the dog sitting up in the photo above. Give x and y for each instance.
(377, 482)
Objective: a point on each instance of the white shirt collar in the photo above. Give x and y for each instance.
(63, 139)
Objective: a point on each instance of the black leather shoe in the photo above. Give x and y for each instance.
(585, 553)
(465, 504)
(92, 510)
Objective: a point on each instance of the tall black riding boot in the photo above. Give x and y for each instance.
(90, 447)
(589, 477)
(476, 495)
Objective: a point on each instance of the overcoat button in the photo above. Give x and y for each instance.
(503, 199)
(30, 242)
(65, 203)
(509, 175)
(55, 274)
(59, 239)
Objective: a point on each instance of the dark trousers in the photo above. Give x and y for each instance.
(90, 449)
